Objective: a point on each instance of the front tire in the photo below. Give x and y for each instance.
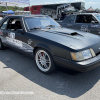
(44, 61)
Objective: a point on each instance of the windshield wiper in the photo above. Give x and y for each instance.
(50, 26)
(34, 28)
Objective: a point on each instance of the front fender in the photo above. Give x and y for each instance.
(44, 46)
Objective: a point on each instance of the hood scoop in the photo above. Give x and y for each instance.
(63, 33)
(74, 34)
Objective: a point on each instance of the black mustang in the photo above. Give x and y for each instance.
(51, 44)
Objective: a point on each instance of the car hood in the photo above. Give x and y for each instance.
(68, 37)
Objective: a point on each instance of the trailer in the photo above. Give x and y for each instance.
(56, 11)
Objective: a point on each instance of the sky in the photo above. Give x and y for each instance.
(95, 4)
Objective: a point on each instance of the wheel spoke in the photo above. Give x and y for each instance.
(40, 55)
(45, 66)
(39, 60)
(42, 66)
(44, 55)
(47, 61)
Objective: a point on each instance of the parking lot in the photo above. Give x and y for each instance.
(18, 73)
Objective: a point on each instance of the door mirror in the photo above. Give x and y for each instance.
(20, 31)
(93, 22)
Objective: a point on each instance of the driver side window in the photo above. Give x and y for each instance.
(14, 24)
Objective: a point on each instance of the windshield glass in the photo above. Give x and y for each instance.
(98, 17)
(40, 22)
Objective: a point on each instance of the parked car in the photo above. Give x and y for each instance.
(50, 44)
(88, 22)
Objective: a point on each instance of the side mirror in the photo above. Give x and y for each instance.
(93, 22)
(20, 31)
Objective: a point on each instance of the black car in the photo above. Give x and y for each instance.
(50, 44)
(88, 22)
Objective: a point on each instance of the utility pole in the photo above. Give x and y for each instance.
(7, 8)
(29, 6)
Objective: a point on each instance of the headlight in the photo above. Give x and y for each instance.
(86, 54)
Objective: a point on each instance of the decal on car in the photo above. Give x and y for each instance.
(11, 35)
(84, 28)
(69, 24)
(14, 41)
(27, 47)
(30, 41)
(22, 45)
(11, 39)
(95, 25)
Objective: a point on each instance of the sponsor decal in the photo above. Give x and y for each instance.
(11, 35)
(11, 40)
(69, 24)
(84, 28)
(95, 25)
(30, 41)
(14, 41)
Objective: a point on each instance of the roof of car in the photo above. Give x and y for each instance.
(28, 16)
(86, 14)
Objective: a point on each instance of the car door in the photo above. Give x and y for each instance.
(8, 33)
(81, 23)
(17, 37)
(84, 23)
(4, 31)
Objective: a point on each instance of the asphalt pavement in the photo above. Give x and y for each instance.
(21, 80)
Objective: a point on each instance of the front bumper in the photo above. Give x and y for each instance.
(82, 66)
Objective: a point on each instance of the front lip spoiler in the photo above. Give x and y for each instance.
(82, 66)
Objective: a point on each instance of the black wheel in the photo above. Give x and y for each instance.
(44, 61)
(1, 45)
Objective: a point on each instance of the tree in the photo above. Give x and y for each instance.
(3, 8)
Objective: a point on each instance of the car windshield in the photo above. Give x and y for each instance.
(40, 22)
(98, 17)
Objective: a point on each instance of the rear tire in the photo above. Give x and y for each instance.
(1, 45)
(44, 61)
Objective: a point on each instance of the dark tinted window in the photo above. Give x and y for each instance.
(85, 19)
(14, 24)
(79, 19)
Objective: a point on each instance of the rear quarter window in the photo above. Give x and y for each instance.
(66, 19)
(71, 19)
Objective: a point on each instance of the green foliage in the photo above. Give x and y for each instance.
(3, 8)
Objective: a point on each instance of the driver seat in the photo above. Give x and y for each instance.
(18, 25)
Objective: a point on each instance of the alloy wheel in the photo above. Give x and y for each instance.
(43, 60)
